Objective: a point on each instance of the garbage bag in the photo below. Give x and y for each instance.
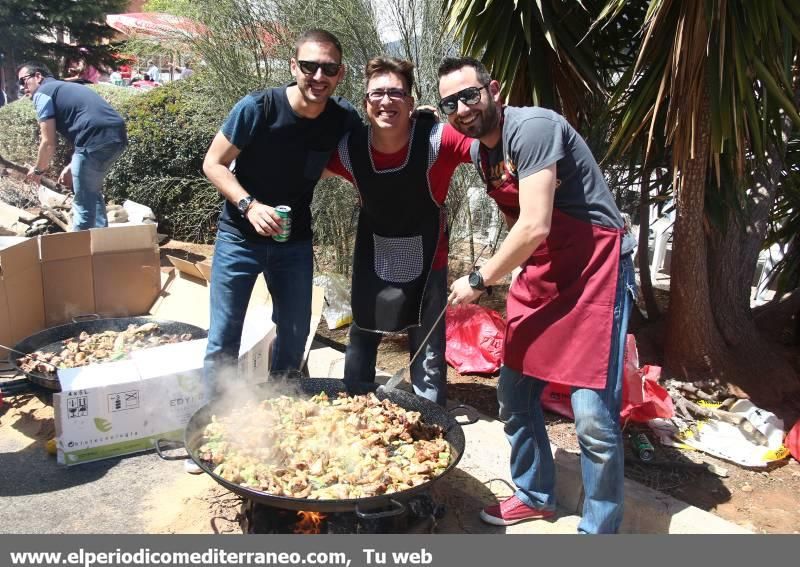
(475, 337)
(793, 440)
(336, 311)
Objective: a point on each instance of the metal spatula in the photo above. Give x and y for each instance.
(400, 375)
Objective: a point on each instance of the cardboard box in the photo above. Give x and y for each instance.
(112, 409)
(122, 407)
(49, 280)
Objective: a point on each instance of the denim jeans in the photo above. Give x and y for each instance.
(596, 423)
(89, 168)
(429, 370)
(288, 270)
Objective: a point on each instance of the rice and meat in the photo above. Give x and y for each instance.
(98, 347)
(325, 449)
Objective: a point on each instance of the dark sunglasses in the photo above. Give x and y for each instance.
(310, 68)
(469, 96)
(25, 78)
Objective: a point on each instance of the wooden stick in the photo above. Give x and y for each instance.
(49, 183)
(54, 217)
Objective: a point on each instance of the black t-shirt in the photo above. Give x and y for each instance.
(282, 155)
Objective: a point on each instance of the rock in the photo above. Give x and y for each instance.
(747, 488)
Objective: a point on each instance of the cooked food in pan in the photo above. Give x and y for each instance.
(326, 449)
(98, 347)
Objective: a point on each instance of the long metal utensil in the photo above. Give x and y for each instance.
(15, 350)
(400, 375)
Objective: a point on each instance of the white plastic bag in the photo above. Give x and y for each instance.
(337, 311)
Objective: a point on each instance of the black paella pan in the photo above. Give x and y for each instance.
(432, 414)
(49, 340)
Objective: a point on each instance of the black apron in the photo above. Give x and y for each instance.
(398, 230)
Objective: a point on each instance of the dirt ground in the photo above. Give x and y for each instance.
(765, 501)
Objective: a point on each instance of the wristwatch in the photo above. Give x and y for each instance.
(475, 280)
(244, 204)
(37, 171)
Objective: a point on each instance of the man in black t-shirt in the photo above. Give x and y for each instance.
(280, 140)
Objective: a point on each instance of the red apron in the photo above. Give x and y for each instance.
(561, 307)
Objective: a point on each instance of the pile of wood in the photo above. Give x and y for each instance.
(708, 400)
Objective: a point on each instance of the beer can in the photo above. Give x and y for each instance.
(285, 212)
(642, 447)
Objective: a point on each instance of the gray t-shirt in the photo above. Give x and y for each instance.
(534, 138)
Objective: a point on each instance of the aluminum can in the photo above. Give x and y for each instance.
(642, 447)
(285, 212)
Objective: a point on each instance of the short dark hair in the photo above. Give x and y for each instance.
(451, 64)
(36, 67)
(318, 36)
(381, 65)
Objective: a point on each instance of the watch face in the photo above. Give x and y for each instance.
(244, 203)
(474, 280)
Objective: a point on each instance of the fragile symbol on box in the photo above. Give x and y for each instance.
(78, 406)
(121, 401)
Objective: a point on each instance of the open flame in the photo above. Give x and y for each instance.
(308, 522)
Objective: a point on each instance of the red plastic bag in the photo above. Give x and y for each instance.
(643, 398)
(475, 337)
(792, 441)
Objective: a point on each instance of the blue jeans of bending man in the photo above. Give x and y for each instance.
(596, 423)
(288, 270)
(89, 168)
(429, 371)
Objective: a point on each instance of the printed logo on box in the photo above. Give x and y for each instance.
(77, 406)
(121, 401)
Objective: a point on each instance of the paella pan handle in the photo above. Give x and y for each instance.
(87, 317)
(398, 508)
(467, 410)
(162, 445)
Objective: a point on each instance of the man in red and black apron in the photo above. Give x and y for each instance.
(567, 309)
(401, 167)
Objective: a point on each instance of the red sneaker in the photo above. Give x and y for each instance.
(511, 511)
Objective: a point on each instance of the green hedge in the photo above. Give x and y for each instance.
(19, 130)
(169, 131)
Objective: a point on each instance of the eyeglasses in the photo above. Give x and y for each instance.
(393, 94)
(469, 96)
(22, 80)
(310, 68)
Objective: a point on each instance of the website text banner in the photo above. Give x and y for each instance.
(391, 550)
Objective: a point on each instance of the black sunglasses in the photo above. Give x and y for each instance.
(25, 78)
(310, 68)
(469, 96)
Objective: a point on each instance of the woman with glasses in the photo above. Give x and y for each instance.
(401, 167)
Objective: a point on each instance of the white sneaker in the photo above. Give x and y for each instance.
(191, 467)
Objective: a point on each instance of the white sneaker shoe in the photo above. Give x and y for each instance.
(191, 467)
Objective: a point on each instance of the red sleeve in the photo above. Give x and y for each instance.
(336, 166)
(453, 151)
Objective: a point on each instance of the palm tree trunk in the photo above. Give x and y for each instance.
(733, 257)
(693, 344)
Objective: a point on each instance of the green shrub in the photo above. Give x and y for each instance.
(169, 132)
(19, 129)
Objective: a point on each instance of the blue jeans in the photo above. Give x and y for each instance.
(596, 423)
(89, 168)
(288, 270)
(429, 370)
